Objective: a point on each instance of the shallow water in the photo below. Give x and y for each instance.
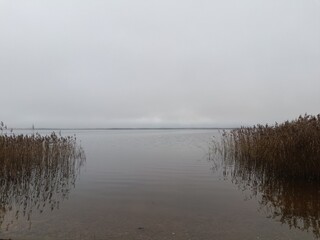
(150, 184)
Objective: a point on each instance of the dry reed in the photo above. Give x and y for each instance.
(280, 163)
(287, 150)
(36, 171)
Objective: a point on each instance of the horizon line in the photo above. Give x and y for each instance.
(127, 128)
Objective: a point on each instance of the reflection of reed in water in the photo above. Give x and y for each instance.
(281, 164)
(36, 172)
(294, 203)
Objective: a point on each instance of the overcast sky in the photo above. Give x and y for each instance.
(148, 63)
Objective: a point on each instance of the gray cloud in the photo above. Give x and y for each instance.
(158, 63)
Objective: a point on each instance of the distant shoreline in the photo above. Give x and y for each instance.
(84, 129)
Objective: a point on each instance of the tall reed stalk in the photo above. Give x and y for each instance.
(287, 150)
(36, 171)
(280, 162)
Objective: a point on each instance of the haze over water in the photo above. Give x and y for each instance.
(80, 64)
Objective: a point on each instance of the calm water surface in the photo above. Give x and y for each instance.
(150, 184)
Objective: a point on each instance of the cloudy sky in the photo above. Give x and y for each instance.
(154, 63)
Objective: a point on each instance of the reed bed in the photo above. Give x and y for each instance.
(279, 163)
(287, 150)
(36, 172)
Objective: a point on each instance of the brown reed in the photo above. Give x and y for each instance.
(36, 171)
(280, 163)
(287, 150)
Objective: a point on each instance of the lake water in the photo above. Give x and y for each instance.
(150, 184)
